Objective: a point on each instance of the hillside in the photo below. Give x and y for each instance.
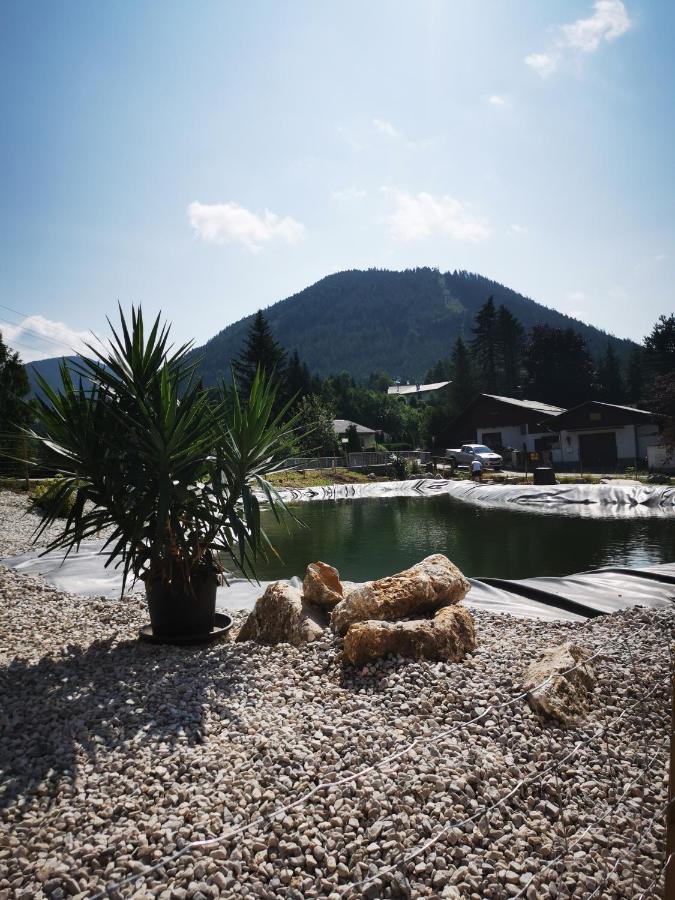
(399, 322)
(364, 321)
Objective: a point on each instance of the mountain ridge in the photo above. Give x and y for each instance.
(365, 320)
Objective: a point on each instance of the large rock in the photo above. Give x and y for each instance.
(424, 588)
(448, 636)
(322, 585)
(281, 616)
(564, 696)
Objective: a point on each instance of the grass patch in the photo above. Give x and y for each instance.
(303, 478)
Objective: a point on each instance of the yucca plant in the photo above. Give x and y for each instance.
(166, 469)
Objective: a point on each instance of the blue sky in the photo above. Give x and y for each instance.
(209, 159)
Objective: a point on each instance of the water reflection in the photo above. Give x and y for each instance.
(369, 538)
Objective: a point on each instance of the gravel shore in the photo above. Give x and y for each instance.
(116, 755)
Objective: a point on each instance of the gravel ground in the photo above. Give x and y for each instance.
(116, 754)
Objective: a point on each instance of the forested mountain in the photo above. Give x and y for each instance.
(377, 320)
(398, 322)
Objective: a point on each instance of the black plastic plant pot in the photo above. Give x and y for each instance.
(176, 614)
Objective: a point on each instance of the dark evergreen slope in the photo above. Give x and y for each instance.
(400, 322)
(364, 321)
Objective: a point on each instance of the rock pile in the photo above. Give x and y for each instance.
(413, 614)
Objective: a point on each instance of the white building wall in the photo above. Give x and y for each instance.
(648, 436)
(569, 443)
(512, 436)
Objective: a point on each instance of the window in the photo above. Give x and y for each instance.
(493, 439)
(595, 417)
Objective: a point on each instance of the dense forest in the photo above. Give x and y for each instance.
(500, 356)
(397, 322)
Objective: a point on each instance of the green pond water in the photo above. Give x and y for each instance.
(370, 538)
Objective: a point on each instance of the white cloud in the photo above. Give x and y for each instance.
(221, 223)
(543, 63)
(351, 193)
(385, 127)
(496, 100)
(422, 215)
(39, 338)
(608, 21)
(517, 229)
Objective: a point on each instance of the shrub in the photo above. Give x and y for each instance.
(43, 496)
(400, 467)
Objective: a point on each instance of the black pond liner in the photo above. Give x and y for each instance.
(223, 623)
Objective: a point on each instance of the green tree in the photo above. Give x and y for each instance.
(659, 356)
(611, 385)
(379, 381)
(298, 380)
(464, 384)
(660, 346)
(559, 367)
(441, 371)
(14, 387)
(315, 431)
(636, 376)
(509, 340)
(484, 345)
(260, 351)
(353, 440)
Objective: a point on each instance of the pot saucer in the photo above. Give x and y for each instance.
(223, 623)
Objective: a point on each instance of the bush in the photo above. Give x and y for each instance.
(42, 496)
(400, 468)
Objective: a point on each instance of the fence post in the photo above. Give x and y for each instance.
(25, 459)
(670, 817)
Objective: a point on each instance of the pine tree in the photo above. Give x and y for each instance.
(510, 340)
(298, 380)
(260, 351)
(484, 345)
(559, 368)
(660, 346)
(14, 386)
(636, 376)
(463, 377)
(611, 386)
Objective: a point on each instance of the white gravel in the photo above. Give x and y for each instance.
(115, 754)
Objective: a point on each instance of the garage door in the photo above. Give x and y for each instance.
(598, 451)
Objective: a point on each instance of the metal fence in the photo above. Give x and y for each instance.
(353, 460)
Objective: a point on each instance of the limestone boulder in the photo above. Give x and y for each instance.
(564, 697)
(424, 588)
(322, 586)
(449, 636)
(281, 616)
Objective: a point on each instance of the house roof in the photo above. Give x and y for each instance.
(416, 388)
(535, 405)
(606, 415)
(340, 426)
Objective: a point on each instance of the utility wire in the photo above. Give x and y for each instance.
(267, 817)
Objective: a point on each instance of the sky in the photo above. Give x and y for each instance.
(209, 159)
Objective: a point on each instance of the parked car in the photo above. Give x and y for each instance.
(467, 453)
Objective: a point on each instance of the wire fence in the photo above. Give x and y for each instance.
(22, 457)
(552, 768)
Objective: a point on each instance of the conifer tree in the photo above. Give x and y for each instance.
(611, 386)
(484, 345)
(510, 339)
(559, 368)
(635, 376)
(260, 351)
(14, 386)
(298, 381)
(463, 377)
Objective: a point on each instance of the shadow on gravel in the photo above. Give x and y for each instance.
(100, 697)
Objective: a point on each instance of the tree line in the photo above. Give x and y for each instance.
(549, 364)
(545, 363)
